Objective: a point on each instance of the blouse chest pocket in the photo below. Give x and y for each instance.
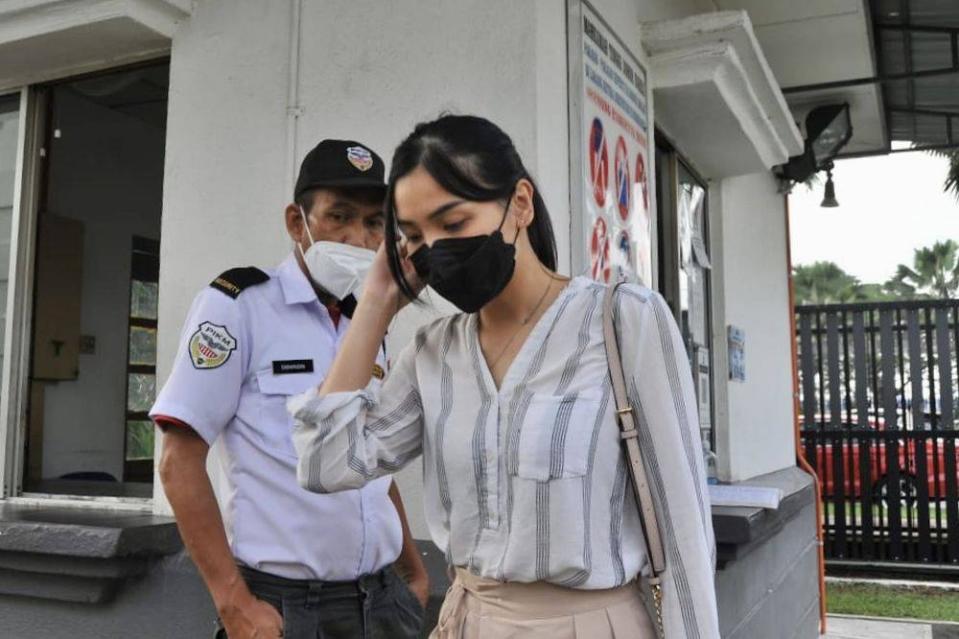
(556, 436)
(275, 427)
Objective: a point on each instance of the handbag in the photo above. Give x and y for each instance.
(653, 599)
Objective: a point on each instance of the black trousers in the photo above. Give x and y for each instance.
(377, 606)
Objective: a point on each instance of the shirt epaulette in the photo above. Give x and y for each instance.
(236, 280)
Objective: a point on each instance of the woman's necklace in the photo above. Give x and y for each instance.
(526, 321)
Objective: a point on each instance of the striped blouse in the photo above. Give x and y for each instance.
(527, 482)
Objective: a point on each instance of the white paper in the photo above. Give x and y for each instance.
(699, 252)
(748, 496)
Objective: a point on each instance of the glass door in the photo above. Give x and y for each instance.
(93, 331)
(685, 273)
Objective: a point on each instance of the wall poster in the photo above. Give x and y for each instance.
(610, 151)
(736, 343)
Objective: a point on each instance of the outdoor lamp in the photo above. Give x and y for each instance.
(828, 130)
(829, 197)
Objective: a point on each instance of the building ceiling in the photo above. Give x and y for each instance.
(918, 53)
(821, 41)
(895, 61)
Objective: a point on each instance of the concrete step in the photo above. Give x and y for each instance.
(852, 627)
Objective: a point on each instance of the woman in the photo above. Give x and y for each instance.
(510, 405)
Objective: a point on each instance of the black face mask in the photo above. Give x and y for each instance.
(468, 271)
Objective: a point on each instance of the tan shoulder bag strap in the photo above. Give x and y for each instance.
(629, 434)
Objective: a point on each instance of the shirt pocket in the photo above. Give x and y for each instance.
(275, 425)
(556, 434)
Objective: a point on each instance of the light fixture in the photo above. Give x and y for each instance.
(828, 129)
(829, 200)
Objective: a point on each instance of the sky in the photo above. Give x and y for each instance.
(888, 207)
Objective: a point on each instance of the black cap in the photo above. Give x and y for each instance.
(340, 163)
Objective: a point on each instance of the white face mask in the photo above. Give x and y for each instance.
(339, 268)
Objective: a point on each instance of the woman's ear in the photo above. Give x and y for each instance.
(522, 205)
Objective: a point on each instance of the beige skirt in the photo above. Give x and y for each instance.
(479, 608)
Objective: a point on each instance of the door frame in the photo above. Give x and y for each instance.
(35, 131)
(14, 380)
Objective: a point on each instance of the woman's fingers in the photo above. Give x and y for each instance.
(409, 271)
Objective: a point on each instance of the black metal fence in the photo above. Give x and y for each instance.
(878, 394)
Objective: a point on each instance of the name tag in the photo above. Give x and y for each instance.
(288, 366)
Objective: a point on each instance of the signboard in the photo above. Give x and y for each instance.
(610, 151)
(737, 353)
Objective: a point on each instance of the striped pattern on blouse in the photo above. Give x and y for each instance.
(528, 482)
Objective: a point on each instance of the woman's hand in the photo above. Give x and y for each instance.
(380, 301)
(381, 286)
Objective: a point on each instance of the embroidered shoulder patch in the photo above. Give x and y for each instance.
(211, 346)
(234, 281)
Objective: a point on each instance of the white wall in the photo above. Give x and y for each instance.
(106, 170)
(224, 187)
(499, 59)
(368, 70)
(759, 438)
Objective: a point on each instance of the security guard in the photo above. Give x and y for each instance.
(282, 561)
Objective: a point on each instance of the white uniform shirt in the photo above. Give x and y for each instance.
(238, 362)
(528, 482)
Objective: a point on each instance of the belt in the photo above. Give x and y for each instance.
(359, 586)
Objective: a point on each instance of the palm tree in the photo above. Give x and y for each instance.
(952, 178)
(877, 293)
(951, 183)
(824, 283)
(934, 273)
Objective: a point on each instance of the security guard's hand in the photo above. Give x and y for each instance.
(246, 617)
(420, 587)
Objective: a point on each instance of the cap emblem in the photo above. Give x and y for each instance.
(360, 158)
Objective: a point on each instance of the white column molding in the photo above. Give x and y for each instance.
(45, 39)
(715, 93)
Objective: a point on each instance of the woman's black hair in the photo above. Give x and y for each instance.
(474, 159)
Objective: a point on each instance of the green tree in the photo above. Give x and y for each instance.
(877, 293)
(952, 177)
(951, 183)
(934, 273)
(824, 283)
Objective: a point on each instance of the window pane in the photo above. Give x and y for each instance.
(9, 128)
(694, 287)
(143, 346)
(141, 391)
(143, 300)
(140, 439)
